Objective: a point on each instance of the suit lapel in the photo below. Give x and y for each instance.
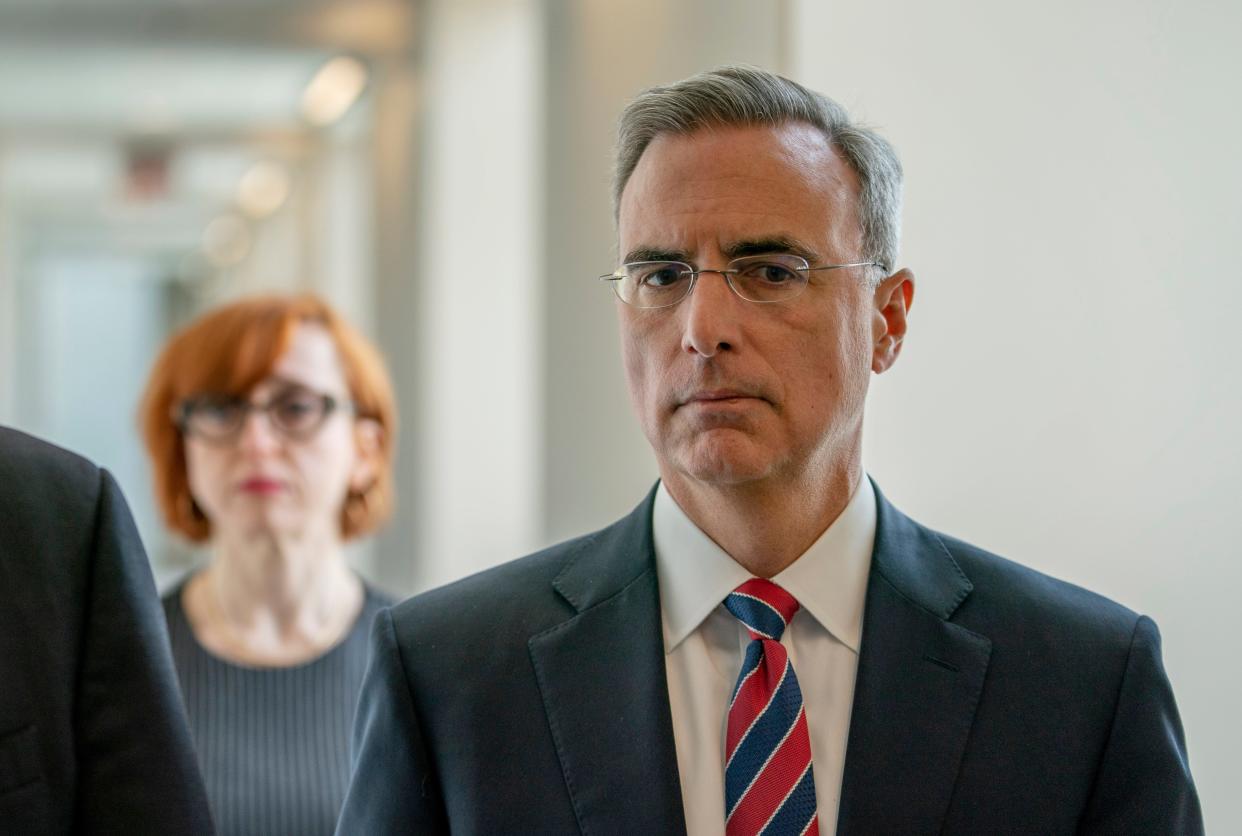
(601, 675)
(919, 680)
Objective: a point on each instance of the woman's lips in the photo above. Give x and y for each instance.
(261, 485)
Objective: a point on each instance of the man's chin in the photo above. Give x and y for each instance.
(723, 458)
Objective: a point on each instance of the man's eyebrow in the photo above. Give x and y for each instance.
(772, 244)
(732, 250)
(654, 254)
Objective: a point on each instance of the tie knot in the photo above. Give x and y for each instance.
(763, 607)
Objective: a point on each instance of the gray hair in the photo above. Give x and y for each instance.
(740, 95)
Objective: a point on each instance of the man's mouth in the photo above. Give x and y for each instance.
(720, 397)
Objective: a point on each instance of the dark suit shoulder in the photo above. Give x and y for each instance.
(29, 456)
(514, 598)
(1076, 707)
(30, 467)
(51, 506)
(1059, 651)
(50, 501)
(1008, 591)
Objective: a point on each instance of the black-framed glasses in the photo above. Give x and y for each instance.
(295, 413)
(774, 277)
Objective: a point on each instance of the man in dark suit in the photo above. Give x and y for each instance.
(765, 645)
(93, 735)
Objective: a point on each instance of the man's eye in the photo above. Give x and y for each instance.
(771, 273)
(663, 276)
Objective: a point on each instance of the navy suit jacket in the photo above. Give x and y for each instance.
(532, 698)
(93, 734)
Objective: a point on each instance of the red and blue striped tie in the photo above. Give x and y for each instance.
(769, 784)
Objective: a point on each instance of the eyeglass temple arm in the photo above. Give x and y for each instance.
(879, 264)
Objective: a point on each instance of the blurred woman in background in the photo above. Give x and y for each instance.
(270, 423)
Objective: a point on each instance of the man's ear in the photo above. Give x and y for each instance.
(893, 298)
(368, 445)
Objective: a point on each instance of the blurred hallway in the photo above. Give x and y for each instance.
(156, 158)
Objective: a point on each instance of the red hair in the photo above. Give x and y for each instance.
(228, 351)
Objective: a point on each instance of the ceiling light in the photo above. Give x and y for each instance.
(226, 241)
(263, 189)
(334, 88)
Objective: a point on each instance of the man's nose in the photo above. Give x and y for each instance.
(712, 316)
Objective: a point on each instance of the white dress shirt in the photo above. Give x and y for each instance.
(704, 645)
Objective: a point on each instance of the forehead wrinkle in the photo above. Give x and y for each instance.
(733, 232)
(816, 159)
(746, 201)
(767, 243)
(804, 149)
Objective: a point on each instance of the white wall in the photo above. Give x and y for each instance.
(1068, 395)
(477, 327)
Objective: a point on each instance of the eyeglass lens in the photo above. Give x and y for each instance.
(295, 412)
(762, 278)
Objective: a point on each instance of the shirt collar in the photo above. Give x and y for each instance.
(829, 579)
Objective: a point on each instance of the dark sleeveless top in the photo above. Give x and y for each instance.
(273, 743)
